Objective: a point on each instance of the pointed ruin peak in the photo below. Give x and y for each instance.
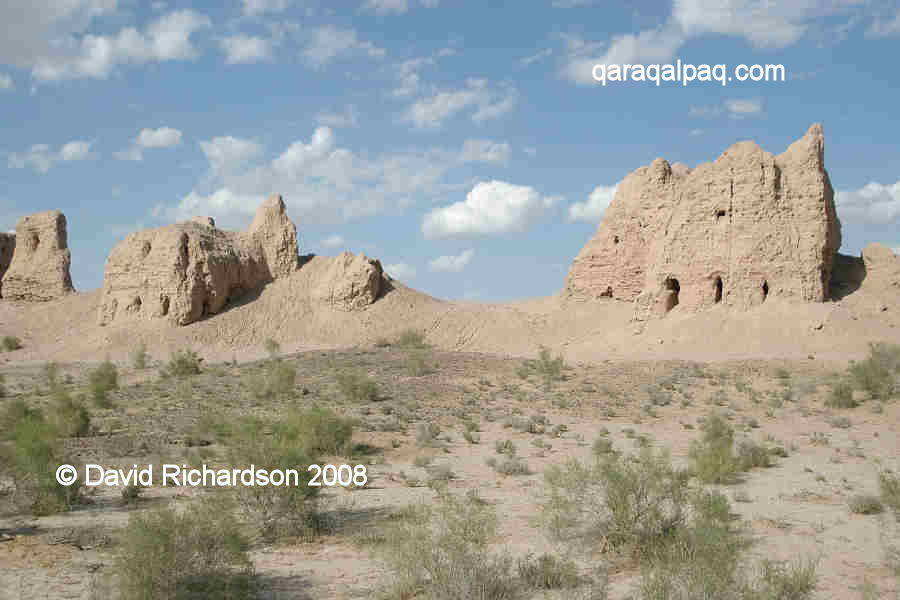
(736, 231)
(38, 269)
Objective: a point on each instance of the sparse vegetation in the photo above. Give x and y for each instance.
(357, 387)
(272, 347)
(11, 342)
(71, 417)
(102, 380)
(889, 484)
(443, 552)
(184, 363)
(865, 504)
(167, 554)
(273, 510)
(548, 572)
(140, 358)
(31, 458)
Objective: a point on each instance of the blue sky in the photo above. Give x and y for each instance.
(463, 143)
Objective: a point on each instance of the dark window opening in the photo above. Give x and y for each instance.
(33, 242)
(165, 306)
(720, 213)
(145, 249)
(607, 293)
(672, 290)
(719, 287)
(615, 239)
(765, 290)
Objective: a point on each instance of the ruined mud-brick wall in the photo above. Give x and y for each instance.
(186, 271)
(736, 231)
(7, 246)
(39, 268)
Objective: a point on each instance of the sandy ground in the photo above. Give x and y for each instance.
(797, 509)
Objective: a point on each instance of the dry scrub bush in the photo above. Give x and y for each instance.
(294, 442)
(11, 342)
(548, 572)
(276, 379)
(889, 485)
(713, 455)
(140, 359)
(442, 552)
(182, 364)
(101, 381)
(200, 552)
(31, 458)
(357, 387)
(682, 537)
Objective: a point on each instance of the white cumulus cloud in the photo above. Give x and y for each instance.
(386, 7)
(328, 43)
(332, 241)
(400, 270)
(736, 108)
(873, 203)
(483, 100)
(593, 209)
(163, 137)
(257, 7)
(485, 151)
(41, 157)
(491, 207)
(226, 153)
(75, 150)
(348, 118)
(168, 38)
(451, 263)
(321, 182)
(242, 48)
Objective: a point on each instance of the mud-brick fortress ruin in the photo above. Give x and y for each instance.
(736, 231)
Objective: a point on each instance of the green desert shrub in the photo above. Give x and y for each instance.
(184, 363)
(442, 552)
(632, 505)
(31, 458)
(273, 510)
(140, 359)
(357, 387)
(510, 466)
(71, 416)
(319, 431)
(11, 342)
(416, 365)
(713, 454)
(166, 554)
(751, 455)
(889, 485)
(865, 504)
(878, 373)
(548, 572)
(272, 347)
(840, 395)
(427, 434)
(276, 379)
(410, 339)
(101, 381)
(51, 375)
